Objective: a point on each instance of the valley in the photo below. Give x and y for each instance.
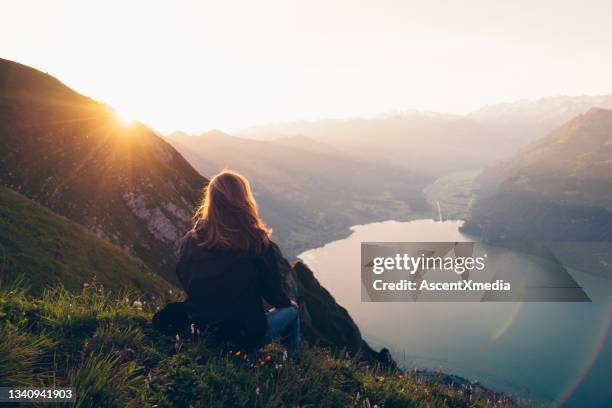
(308, 196)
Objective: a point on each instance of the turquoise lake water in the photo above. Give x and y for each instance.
(549, 353)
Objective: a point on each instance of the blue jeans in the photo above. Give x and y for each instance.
(283, 324)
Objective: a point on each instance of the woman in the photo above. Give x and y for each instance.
(228, 266)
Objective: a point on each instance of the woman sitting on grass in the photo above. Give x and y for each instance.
(228, 266)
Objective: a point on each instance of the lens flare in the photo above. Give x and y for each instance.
(590, 361)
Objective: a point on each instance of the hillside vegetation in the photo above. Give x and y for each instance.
(113, 358)
(48, 249)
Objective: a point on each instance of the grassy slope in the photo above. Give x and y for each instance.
(47, 248)
(114, 358)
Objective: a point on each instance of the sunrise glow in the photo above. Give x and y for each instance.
(198, 65)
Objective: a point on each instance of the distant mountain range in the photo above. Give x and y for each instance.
(557, 188)
(305, 143)
(438, 143)
(528, 120)
(431, 144)
(309, 193)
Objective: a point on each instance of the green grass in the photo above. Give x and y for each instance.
(46, 248)
(105, 346)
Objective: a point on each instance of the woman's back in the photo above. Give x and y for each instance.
(228, 266)
(225, 290)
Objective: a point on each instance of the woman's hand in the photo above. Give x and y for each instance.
(294, 304)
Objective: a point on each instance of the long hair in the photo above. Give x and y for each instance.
(228, 218)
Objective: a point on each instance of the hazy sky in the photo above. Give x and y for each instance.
(197, 65)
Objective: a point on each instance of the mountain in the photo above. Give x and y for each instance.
(558, 188)
(45, 248)
(72, 155)
(85, 190)
(306, 143)
(308, 198)
(527, 120)
(421, 142)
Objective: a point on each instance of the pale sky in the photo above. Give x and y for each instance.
(198, 65)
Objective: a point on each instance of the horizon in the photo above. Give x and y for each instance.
(393, 112)
(180, 67)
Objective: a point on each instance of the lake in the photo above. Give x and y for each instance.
(549, 353)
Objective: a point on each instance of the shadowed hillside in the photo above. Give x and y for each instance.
(71, 154)
(558, 188)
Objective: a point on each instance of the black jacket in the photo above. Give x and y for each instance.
(225, 290)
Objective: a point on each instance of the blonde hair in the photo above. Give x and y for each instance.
(228, 216)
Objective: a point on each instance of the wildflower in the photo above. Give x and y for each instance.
(257, 391)
(380, 379)
(137, 304)
(178, 343)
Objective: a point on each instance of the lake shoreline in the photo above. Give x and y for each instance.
(487, 336)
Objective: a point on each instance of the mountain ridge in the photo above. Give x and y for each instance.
(564, 176)
(426, 143)
(85, 170)
(529, 119)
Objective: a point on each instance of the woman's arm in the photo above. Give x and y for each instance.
(182, 272)
(270, 280)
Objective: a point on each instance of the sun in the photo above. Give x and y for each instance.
(124, 118)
